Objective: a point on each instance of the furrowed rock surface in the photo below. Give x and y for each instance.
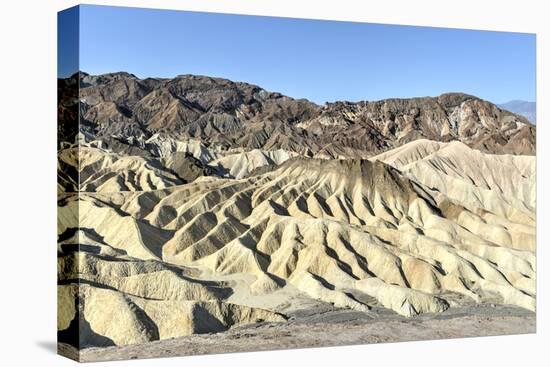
(196, 204)
(336, 231)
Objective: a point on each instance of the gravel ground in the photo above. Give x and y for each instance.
(324, 326)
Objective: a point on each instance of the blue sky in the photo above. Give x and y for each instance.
(319, 60)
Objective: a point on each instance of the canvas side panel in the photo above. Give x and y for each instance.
(68, 183)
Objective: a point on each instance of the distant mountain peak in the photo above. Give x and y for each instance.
(524, 108)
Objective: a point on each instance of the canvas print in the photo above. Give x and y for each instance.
(233, 183)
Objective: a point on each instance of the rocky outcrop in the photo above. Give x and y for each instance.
(232, 115)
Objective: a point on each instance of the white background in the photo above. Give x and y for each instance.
(28, 181)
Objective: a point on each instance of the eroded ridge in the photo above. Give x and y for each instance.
(417, 229)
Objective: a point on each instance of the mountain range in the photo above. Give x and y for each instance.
(234, 115)
(196, 205)
(524, 108)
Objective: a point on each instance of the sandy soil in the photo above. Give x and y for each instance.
(323, 326)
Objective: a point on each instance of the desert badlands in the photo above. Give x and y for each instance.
(199, 215)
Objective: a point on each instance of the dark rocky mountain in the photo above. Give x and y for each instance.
(231, 114)
(67, 108)
(524, 108)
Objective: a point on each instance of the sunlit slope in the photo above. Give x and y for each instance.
(501, 185)
(438, 225)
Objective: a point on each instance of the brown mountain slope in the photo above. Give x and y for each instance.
(234, 114)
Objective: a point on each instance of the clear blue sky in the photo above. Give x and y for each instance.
(319, 60)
